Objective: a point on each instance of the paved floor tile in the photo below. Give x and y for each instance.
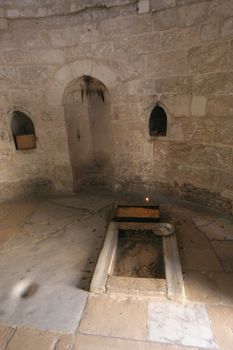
(200, 287)
(64, 341)
(224, 251)
(5, 334)
(88, 342)
(222, 325)
(115, 318)
(31, 339)
(215, 228)
(224, 283)
(180, 324)
(190, 237)
(199, 260)
(39, 241)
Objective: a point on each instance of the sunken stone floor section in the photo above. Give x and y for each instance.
(48, 251)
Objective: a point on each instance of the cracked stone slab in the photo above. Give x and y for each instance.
(213, 228)
(55, 249)
(180, 324)
(54, 214)
(224, 251)
(51, 218)
(6, 333)
(92, 202)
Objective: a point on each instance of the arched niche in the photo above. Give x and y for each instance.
(158, 121)
(23, 131)
(87, 112)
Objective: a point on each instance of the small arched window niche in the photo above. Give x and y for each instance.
(158, 122)
(23, 131)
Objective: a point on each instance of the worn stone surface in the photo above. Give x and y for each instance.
(214, 288)
(223, 136)
(178, 53)
(85, 342)
(164, 20)
(220, 106)
(210, 58)
(143, 6)
(141, 44)
(193, 13)
(41, 234)
(3, 23)
(6, 332)
(114, 322)
(7, 76)
(213, 84)
(64, 341)
(212, 156)
(117, 326)
(190, 260)
(200, 287)
(197, 131)
(30, 75)
(174, 85)
(165, 64)
(25, 338)
(214, 229)
(209, 31)
(157, 5)
(186, 325)
(180, 38)
(222, 323)
(224, 284)
(179, 105)
(224, 251)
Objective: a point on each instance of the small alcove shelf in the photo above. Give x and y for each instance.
(158, 122)
(23, 131)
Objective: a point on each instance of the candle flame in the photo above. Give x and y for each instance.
(147, 199)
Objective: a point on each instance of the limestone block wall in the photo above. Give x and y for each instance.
(178, 53)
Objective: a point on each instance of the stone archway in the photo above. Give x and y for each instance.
(75, 70)
(88, 121)
(87, 114)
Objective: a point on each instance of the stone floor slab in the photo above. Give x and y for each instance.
(5, 334)
(189, 237)
(224, 284)
(115, 318)
(214, 228)
(86, 342)
(55, 242)
(222, 325)
(55, 248)
(86, 200)
(90, 342)
(31, 339)
(224, 251)
(180, 324)
(200, 287)
(199, 260)
(64, 341)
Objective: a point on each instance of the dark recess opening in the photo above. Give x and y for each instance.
(23, 131)
(158, 122)
(139, 254)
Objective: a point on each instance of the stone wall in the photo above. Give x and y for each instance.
(175, 52)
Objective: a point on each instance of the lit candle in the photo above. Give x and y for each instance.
(147, 199)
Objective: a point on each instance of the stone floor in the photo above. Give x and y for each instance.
(48, 251)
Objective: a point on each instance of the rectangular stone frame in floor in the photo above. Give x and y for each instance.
(103, 280)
